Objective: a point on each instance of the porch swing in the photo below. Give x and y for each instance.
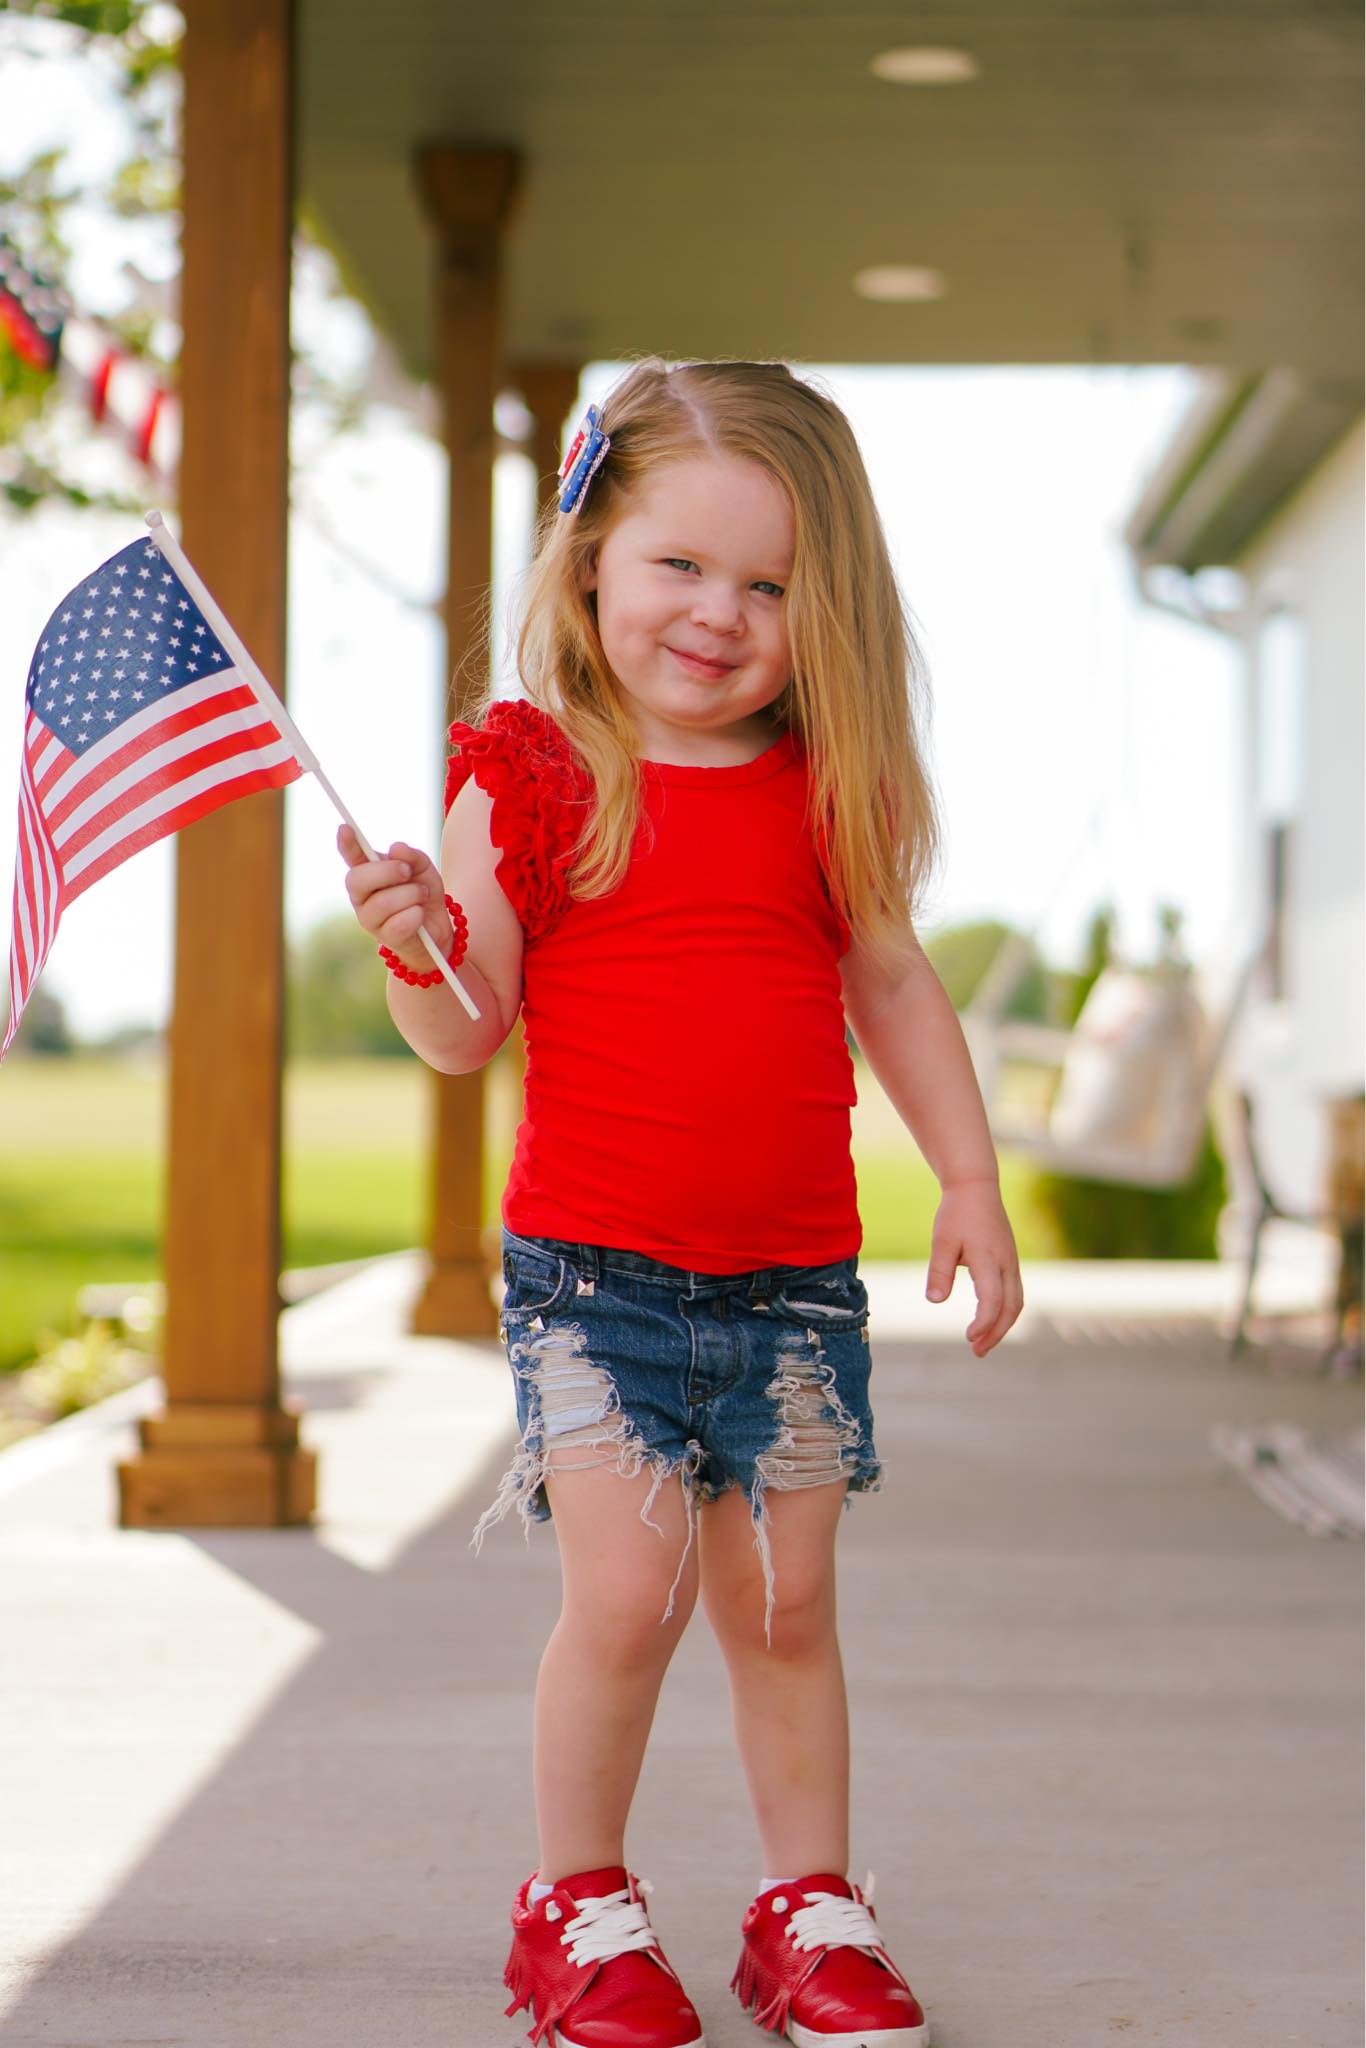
(1136, 1074)
(1140, 1069)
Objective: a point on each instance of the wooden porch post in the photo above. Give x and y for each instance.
(548, 391)
(467, 195)
(225, 1451)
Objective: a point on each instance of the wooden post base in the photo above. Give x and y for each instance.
(455, 1301)
(218, 1466)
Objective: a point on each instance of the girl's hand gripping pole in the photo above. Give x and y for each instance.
(288, 730)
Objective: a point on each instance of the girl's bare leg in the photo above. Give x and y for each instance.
(789, 1704)
(605, 1661)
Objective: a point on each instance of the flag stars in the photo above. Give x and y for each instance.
(138, 696)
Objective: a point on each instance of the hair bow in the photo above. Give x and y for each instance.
(581, 464)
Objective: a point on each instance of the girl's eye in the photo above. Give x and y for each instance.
(681, 562)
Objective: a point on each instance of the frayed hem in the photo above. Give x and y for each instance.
(575, 1404)
(812, 1446)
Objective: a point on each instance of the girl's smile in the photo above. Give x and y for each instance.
(693, 662)
(690, 585)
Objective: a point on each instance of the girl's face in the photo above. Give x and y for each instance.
(690, 585)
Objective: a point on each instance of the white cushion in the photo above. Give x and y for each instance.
(1131, 1072)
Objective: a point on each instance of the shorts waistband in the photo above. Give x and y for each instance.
(594, 1259)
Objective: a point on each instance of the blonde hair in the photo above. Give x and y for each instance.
(859, 686)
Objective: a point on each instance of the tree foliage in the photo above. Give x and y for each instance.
(336, 1006)
(135, 44)
(134, 47)
(43, 1028)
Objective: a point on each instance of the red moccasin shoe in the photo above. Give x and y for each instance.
(587, 1963)
(813, 1966)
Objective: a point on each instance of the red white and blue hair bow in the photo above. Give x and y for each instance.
(581, 464)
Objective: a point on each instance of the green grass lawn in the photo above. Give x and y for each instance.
(81, 1175)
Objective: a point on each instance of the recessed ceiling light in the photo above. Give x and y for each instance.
(899, 281)
(917, 64)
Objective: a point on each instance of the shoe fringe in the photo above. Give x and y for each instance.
(517, 1978)
(748, 1986)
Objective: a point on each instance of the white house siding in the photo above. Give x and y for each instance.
(1294, 1052)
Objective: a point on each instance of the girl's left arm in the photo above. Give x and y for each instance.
(908, 1031)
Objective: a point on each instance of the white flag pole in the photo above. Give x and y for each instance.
(175, 555)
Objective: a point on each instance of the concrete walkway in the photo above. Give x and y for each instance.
(272, 1787)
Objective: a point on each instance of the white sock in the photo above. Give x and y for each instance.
(770, 1884)
(538, 1891)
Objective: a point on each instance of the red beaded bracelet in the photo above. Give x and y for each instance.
(459, 947)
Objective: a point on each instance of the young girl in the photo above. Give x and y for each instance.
(687, 860)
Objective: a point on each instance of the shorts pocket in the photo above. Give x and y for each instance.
(829, 1295)
(533, 1280)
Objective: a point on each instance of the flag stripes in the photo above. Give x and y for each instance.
(180, 743)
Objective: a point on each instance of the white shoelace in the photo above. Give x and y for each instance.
(832, 1921)
(608, 1926)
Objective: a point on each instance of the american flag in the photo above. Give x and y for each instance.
(136, 722)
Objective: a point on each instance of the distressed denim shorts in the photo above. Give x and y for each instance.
(751, 1379)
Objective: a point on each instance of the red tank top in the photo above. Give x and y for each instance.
(688, 1081)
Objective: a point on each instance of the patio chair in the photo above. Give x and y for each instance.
(1327, 1215)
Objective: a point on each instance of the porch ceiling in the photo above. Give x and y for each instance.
(1122, 181)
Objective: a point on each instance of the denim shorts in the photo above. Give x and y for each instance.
(751, 1379)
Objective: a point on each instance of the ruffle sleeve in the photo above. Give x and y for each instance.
(521, 759)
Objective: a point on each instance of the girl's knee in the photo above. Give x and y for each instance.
(801, 1621)
(627, 1558)
(624, 1617)
(782, 1567)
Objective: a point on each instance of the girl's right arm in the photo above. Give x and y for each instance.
(395, 896)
